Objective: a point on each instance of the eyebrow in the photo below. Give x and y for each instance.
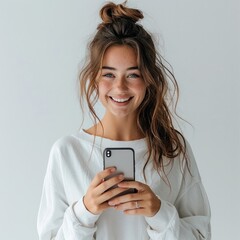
(112, 68)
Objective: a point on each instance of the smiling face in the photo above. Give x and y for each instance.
(121, 87)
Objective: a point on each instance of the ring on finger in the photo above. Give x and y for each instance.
(137, 204)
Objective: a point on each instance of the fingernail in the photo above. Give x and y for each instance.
(113, 169)
(121, 177)
(110, 203)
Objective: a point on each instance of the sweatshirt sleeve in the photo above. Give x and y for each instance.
(57, 219)
(189, 216)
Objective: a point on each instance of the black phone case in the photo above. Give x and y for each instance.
(120, 158)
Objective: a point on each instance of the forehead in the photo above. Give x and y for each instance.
(120, 55)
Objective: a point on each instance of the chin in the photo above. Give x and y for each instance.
(123, 115)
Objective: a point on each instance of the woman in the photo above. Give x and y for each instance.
(126, 74)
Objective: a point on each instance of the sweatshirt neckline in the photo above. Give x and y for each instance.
(106, 142)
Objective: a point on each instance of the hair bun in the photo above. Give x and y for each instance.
(111, 12)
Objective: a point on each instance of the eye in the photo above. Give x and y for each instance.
(108, 75)
(133, 75)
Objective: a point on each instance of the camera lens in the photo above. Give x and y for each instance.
(108, 153)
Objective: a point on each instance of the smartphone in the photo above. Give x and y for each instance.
(124, 161)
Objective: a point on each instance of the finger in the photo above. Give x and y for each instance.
(98, 179)
(140, 211)
(106, 185)
(126, 198)
(111, 194)
(132, 184)
(130, 205)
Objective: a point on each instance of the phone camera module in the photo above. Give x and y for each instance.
(108, 153)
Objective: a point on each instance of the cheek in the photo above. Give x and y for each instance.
(103, 88)
(140, 88)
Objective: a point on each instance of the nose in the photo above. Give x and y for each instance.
(121, 83)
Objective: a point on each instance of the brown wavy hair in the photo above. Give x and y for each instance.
(155, 120)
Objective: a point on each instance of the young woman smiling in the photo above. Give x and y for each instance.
(125, 72)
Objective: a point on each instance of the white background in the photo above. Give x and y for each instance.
(42, 44)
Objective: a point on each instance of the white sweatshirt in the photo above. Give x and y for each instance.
(73, 162)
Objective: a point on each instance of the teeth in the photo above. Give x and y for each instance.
(120, 99)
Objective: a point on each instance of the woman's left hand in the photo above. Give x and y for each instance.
(144, 202)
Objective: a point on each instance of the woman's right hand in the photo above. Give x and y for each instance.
(97, 196)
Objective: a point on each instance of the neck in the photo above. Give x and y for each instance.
(117, 129)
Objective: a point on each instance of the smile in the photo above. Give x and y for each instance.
(121, 100)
